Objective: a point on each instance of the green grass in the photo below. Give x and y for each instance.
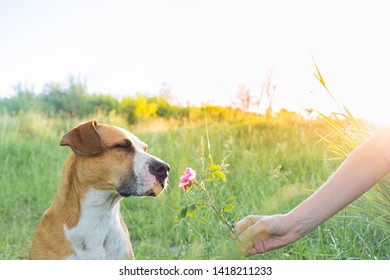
(272, 167)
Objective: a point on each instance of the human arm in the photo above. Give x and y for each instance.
(362, 169)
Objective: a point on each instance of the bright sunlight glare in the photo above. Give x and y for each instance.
(203, 50)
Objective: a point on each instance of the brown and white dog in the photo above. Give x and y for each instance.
(84, 222)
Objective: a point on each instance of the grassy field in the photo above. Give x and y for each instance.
(272, 167)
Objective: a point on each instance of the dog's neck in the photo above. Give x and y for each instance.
(98, 233)
(91, 217)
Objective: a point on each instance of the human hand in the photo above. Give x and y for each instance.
(259, 234)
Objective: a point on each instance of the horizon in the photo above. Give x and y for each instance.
(203, 51)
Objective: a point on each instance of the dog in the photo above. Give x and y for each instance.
(108, 163)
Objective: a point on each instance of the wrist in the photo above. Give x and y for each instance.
(299, 224)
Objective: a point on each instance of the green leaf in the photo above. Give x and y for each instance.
(214, 168)
(210, 177)
(230, 204)
(231, 199)
(215, 171)
(183, 213)
(220, 175)
(192, 210)
(202, 205)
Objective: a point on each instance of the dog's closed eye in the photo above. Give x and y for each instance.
(126, 145)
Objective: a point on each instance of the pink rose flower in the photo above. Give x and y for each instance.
(187, 178)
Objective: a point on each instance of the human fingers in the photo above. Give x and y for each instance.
(255, 239)
(244, 224)
(257, 230)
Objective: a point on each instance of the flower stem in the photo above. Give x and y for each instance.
(221, 216)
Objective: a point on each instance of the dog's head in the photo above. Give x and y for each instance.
(111, 158)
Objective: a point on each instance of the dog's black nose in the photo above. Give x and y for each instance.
(159, 169)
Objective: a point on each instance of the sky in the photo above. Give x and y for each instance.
(204, 50)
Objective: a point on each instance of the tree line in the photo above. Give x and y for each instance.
(74, 99)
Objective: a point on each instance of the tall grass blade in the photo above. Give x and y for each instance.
(347, 133)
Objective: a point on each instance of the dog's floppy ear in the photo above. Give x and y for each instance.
(83, 139)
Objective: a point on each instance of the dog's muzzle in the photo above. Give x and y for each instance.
(160, 170)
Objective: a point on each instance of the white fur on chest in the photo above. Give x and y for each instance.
(99, 233)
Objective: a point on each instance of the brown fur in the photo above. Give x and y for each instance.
(95, 162)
